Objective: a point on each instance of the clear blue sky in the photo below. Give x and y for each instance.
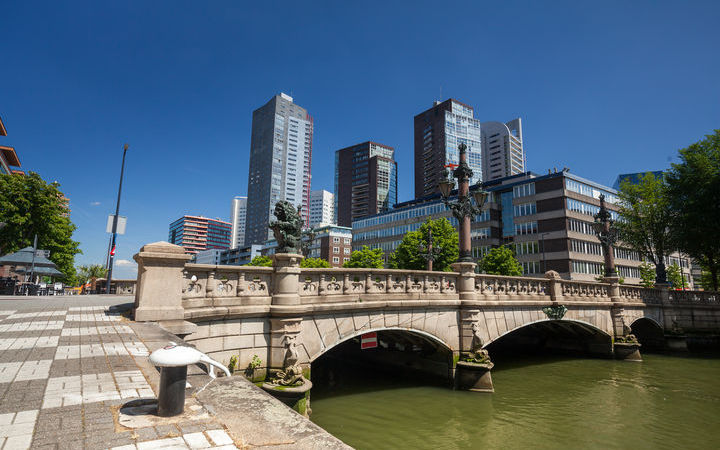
(602, 88)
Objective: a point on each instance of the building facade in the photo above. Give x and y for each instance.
(239, 256)
(546, 219)
(502, 149)
(332, 243)
(209, 256)
(365, 181)
(438, 132)
(197, 233)
(280, 163)
(238, 210)
(9, 161)
(322, 208)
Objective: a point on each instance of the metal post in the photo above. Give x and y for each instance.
(32, 268)
(171, 396)
(115, 221)
(542, 242)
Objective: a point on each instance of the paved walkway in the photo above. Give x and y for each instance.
(67, 364)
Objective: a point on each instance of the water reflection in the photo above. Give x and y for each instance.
(544, 402)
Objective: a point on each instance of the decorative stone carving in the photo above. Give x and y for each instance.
(287, 229)
(478, 354)
(291, 375)
(555, 312)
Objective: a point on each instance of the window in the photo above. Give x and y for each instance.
(526, 248)
(526, 228)
(336, 249)
(591, 268)
(524, 190)
(590, 248)
(525, 209)
(530, 267)
(336, 260)
(346, 259)
(346, 250)
(347, 241)
(336, 240)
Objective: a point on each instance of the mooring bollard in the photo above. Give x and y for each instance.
(173, 360)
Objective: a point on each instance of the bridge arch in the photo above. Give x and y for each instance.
(566, 335)
(649, 333)
(419, 333)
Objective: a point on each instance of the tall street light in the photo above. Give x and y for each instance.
(462, 208)
(429, 252)
(607, 233)
(115, 223)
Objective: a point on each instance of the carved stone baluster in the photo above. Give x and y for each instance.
(407, 283)
(322, 284)
(346, 283)
(426, 283)
(368, 282)
(210, 287)
(241, 283)
(442, 284)
(388, 283)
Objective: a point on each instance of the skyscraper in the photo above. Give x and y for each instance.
(502, 149)
(237, 221)
(197, 233)
(322, 208)
(280, 158)
(438, 131)
(365, 181)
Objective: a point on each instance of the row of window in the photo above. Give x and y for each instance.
(524, 190)
(527, 248)
(584, 189)
(586, 208)
(590, 248)
(526, 228)
(530, 267)
(525, 209)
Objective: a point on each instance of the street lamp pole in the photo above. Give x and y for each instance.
(462, 208)
(430, 253)
(115, 222)
(607, 233)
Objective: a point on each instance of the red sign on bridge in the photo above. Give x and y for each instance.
(368, 340)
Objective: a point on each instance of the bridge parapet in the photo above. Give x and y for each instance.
(708, 298)
(499, 287)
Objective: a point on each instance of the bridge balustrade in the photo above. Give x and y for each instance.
(694, 297)
(585, 290)
(501, 286)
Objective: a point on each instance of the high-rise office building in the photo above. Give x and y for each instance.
(438, 131)
(8, 156)
(280, 158)
(365, 181)
(322, 208)
(197, 233)
(502, 149)
(237, 221)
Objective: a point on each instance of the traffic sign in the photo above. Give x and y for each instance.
(42, 253)
(368, 340)
(121, 223)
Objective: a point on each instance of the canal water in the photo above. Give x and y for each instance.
(666, 401)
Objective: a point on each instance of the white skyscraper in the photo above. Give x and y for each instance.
(280, 160)
(502, 149)
(322, 208)
(238, 211)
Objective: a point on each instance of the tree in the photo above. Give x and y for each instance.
(407, 255)
(693, 187)
(501, 261)
(86, 273)
(647, 274)
(314, 263)
(675, 277)
(367, 257)
(645, 220)
(30, 206)
(260, 261)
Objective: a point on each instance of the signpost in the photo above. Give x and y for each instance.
(368, 340)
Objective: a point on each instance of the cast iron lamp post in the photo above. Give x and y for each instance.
(430, 253)
(462, 208)
(607, 233)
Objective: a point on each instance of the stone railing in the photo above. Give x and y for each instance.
(329, 282)
(497, 286)
(170, 288)
(694, 297)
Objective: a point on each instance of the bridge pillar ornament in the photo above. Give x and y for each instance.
(472, 371)
(286, 278)
(160, 282)
(466, 280)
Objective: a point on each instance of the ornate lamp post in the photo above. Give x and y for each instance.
(462, 208)
(606, 232)
(430, 253)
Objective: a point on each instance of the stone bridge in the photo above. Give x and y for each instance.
(247, 311)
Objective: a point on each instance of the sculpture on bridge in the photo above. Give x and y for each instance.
(478, 354)
(287, 229)
(291, 375)
(627, 337)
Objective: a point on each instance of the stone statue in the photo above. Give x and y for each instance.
(627, 336)
(291, 375)
(477, 354)
(287, 229)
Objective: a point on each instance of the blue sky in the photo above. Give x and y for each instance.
(602, 88)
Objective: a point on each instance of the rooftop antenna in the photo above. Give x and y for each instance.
(440, 99)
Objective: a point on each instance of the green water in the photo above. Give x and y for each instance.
(665, 401)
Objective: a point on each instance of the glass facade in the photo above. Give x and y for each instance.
(461, 127)
(508, 216)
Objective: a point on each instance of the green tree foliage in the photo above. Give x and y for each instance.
(314, 263)
(675, 277)
(645, 219)
(30, 206)
(501, 261)
(407, 255)
(694, 197)
(86, 273)
(261, 261)
(367, 257)
(647, 274)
